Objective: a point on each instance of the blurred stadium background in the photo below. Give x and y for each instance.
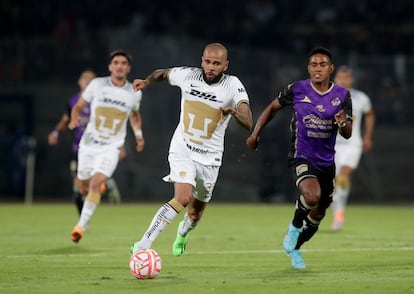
(45, 45)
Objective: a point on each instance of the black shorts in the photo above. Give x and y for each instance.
(301, 169)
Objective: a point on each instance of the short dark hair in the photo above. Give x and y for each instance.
(119, 52)
(320, 50)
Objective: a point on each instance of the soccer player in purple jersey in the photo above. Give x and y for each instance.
(321, 109)
(53, 137)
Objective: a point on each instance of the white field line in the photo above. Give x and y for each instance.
(305, 250)
(390, 249)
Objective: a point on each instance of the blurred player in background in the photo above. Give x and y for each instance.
(110, 187)
(112, 101)
(348, 152)
(209, 98)
(321, 108)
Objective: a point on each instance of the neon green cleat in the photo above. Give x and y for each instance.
(134, 248)
(179, 244)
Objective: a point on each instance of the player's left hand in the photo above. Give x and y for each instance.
(225, 111)
(367, 144)
(340, 117)
(140, 143)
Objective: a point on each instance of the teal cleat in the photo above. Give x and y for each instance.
(291, 238)
(179, 244)
(297, 259)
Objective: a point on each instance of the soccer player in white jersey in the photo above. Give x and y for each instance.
(209, 98)
(112, 100)
(348, 152)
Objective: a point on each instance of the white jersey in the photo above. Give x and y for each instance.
(361, 104)
(199, 130)
(110, 110)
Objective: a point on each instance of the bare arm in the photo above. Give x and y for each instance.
(75, 114)
(267, 115)
(242, 114)
(61, 126)
(136, 124)
(369, 129)
(155, 76)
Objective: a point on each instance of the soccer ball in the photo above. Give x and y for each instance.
(145, 264)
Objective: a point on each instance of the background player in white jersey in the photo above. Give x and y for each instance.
(209, 98)
(348, 152)
(112, 100)
(110, 188)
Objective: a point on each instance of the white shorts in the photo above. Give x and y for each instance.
(185, 170)
(92, 160)
(347, 155)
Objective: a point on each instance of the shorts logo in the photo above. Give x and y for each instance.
(300, 169)
(182, 174)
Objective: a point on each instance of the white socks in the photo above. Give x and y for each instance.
(86, 214)
(162, 218)
(186, 226)
(340, 198)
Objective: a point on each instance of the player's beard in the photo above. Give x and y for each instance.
(214, 80)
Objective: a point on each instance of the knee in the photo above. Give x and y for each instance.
(183, 198)
(95, 186)
(312, 198)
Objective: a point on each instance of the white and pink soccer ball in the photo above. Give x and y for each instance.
(145, 264)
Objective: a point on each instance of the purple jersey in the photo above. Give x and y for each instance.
(312, 125)
(84, 118)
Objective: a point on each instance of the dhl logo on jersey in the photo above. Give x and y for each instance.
(203, 95)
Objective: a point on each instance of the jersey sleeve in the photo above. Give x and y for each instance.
(367, 105)
(347, 106)
(177, 75)
(285, 97)
(88, 94)
(239, 92)
(137, 101)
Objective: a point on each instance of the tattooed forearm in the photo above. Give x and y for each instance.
(158, 75)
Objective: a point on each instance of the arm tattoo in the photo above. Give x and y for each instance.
(158, 75)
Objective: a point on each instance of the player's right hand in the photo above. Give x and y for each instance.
(252, 142)
(139, 84)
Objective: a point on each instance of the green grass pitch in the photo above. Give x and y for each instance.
(235, 249)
